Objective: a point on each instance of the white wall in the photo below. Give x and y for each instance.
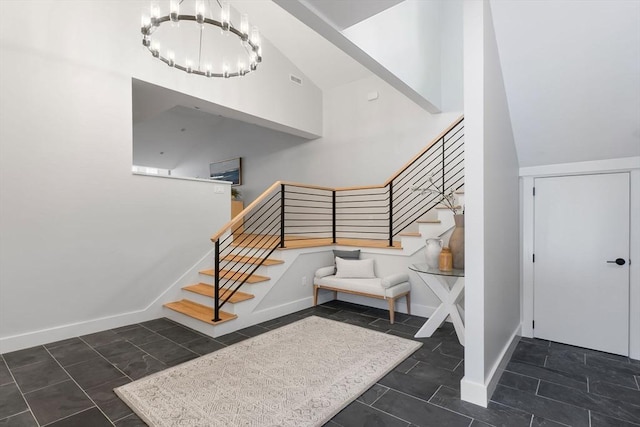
(297, 282)
(364, 142)
(501, 209)
(406, 40)
(492, 203)
(571, 73)
(451, 54)
(83, 238)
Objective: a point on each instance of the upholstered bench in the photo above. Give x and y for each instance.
(356, 277)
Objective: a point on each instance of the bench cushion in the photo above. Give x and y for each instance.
(365, 286)
(355, 268)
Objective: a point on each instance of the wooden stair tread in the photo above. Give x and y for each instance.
(208, 291)
(447, 207)
(428, 221)
(251, 260)
(199, 311)
(237, 276)
(297, 242)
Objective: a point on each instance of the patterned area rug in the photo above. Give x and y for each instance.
(301, 374)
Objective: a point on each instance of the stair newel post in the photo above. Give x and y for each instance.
(282, 199)
(333, 216)
(216, 294)
(391, 213)
(443, 180)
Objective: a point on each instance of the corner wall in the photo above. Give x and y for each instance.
(83, 238)
(492, 209)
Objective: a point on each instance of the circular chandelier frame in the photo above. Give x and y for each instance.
(148, 29)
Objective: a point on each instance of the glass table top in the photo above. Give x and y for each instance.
(424, 268)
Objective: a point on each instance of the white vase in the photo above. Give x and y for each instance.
(432, 251)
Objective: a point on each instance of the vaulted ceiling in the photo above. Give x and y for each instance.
(570, 67)
(572, 75)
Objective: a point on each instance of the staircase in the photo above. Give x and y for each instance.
(250, 250)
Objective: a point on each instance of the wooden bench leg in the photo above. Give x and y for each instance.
(315, 295)
(408, 304)
(392, 304)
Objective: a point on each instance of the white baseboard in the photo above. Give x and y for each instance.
(473, 392)
(500, 365)
(152, 311)
(480, 394)
(281, 310)
(62, 332)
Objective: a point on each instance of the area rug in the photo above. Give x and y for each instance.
(299, 375)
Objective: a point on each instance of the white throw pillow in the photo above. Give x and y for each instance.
(355, 269)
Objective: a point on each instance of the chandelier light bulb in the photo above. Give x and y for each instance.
(189, 66)
(207, 71)
(174, 10)
(200, 11)
(145, 23)
(225, 16)
(225, 70)
(155, 14)
(171, 58)
(155, 49)
(241, 67)
(255, 36)
(244, 25)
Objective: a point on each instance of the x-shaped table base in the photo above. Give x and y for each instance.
(449, 307)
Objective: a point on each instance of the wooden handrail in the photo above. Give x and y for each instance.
(360, 187)
(245, 211)
(313, 187)
(275, 185)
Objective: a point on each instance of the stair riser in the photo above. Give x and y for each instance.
(411, 244)
(253, 252)
(263, 270)
(246, 287)
(431, 230)
(446, 218)
(190, 322)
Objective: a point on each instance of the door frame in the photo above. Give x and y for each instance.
(527, 177)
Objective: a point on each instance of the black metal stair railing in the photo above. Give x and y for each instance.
(301, 215)
(440, 168)
(244, 244)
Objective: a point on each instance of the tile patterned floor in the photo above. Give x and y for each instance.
(69, 383)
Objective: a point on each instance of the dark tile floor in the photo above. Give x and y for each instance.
(69, 383)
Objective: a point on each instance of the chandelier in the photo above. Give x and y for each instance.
(195, 42)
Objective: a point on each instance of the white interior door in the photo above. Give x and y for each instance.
(581, 295)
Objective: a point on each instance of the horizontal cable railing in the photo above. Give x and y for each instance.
(306, 215)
